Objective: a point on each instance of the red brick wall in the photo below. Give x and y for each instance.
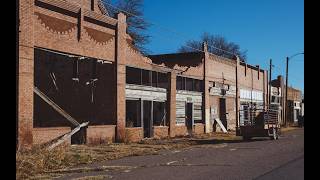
(87, 4)
(180, 131)
(160, 131)
(96, 41)
(231, 110)
(133, 134)
(43, 135)
(221, 68)
(250, 79)
(198, 128)
(25, 74)
(101, 134)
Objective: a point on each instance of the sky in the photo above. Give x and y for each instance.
(267, 29)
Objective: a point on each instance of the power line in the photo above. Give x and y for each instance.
(167, 29)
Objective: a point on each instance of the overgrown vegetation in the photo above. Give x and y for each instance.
(39, 162)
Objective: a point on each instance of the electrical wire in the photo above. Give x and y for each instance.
(167, 29)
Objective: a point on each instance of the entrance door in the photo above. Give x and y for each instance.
(147, 119)
(296, 115)
(223, 112)
(189, 117)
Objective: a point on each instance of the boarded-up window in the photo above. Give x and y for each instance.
(197, 113)
(146, 78)
(180, 112)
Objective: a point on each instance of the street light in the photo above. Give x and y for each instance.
(286, 103)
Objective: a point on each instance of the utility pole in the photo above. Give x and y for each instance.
(286, 102)
(270, 79)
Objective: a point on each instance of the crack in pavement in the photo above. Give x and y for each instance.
(289, 162)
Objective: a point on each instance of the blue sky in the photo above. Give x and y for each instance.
(266, 28)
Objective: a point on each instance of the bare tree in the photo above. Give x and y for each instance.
(223, 47)
(136, 23)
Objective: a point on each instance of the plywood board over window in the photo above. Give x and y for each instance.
(197, 113)
(180, 112)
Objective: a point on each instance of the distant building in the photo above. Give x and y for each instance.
(294, 105)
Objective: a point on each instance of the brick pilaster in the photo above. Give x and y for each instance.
(25, 74)
(171, 103)
(121, 77)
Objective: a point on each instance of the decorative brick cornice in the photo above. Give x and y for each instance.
(99, 37)
(55, 25)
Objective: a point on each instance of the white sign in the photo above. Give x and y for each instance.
(248, 95)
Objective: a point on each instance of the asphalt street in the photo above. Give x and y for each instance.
(257, 159)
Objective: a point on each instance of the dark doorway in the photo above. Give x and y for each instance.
(79, 137)
(222, 112)
(189, 117)
(147, 123)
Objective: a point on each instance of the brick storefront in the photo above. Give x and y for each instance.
(186, 87)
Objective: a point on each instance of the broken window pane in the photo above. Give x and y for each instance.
(159, 116)
(197, 86)
(133, 75)
(162, 80)
(180, 83)
(189, 84)
(154, 79)
(83, 99)
(146, 80)
(133, 113)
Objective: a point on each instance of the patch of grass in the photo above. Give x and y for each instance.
(40, 162)
(99, 177)
(37, 160)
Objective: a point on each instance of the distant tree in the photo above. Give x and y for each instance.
(136, 23)
(215, 41)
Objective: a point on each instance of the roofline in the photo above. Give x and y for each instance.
(174, 54)
(198, 53)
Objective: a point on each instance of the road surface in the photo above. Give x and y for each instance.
(257, 159)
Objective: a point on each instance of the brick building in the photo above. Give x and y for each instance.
(294, 101)
(294, 105)
(84, 61)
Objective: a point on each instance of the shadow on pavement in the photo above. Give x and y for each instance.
(221, 141)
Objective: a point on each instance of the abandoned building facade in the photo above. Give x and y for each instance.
(82, 60)
(294, 106)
